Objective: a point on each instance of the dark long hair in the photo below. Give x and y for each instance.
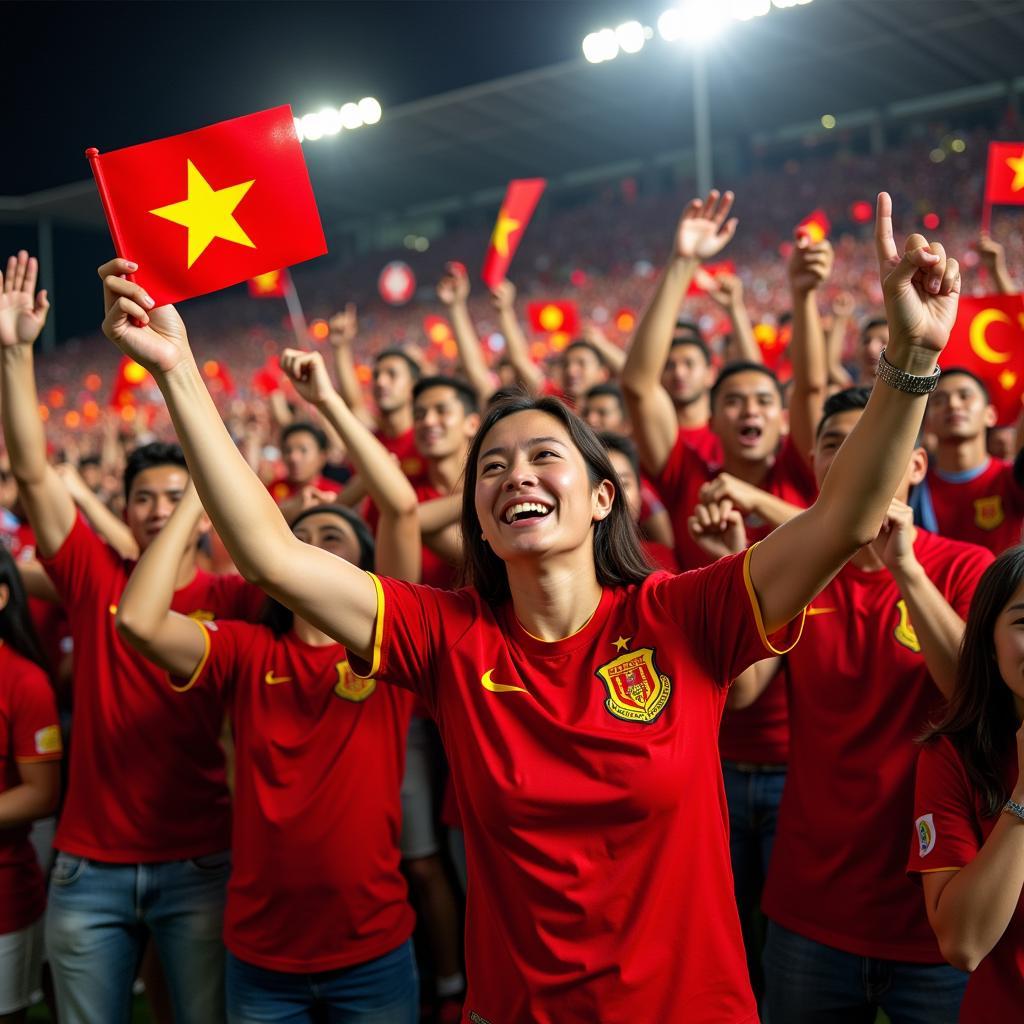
(16, 629)
(618, 556)
(981, 719)
(279, 619)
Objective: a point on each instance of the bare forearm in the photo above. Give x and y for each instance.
(834, 342)
(516, 349)
(440, 512)
(810, 370)
(470, 353)
(745, 346)
(348, 380)
(773, 510)
(1005, 284)
(23, 429)
(26, 803)
(113, 530)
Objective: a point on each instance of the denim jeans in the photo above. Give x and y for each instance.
(753, 797)
(97, 919)
(381, 991)
(809, 983)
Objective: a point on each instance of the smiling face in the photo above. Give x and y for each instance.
(441, 425)
(748, 416)
(959, 410)
(534, 496)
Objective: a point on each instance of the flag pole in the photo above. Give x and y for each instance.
(295, 314)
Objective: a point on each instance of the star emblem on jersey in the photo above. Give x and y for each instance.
(622, 644)
(352, 687)
(207, 213)
(637, 691)
(988, 512)
(904, 631)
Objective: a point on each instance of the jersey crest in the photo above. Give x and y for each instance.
(925, 834)
(637, 691)
(988, 512)
(904, 631)
(352, 687)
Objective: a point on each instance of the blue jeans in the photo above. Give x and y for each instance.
(97, 919)
(381, 991)
(809, 983)
(753, 798)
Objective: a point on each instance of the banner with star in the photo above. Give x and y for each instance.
(212, 207)
(988, 339)
(521, 199)
(1004, 178)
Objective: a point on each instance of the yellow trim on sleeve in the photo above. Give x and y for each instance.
(756, 607)
(41, 758)
(193, 679)
(932, 871)
(378, 633)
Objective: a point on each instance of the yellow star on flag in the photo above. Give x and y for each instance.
(1016, 164)
(622, 643)
(504, 227)
(207, 213)
(1007, 379)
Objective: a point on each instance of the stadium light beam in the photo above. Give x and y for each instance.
(630, 36)
(370, 110)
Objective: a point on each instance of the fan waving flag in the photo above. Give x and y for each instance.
(815, 226)
(211, 207)
(988, 340)
(521, 200)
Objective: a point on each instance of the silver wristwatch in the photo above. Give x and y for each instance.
(911, 383)
(1014, 808)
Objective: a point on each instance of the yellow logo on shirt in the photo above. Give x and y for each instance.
(988, 512)
(48, 740)
(202, 615)
(352, 687)
(904, 631)
(637, 691)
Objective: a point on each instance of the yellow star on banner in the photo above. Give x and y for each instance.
(208, 214)
(622, 643)
(505, 226)
(1016, 164)
(1007, 379)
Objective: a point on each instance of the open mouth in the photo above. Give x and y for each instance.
(750, 434)
(524, 510)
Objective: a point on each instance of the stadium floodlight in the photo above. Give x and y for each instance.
(369, 110)
(670, 25)
(311, 127)
(745, 10)
(351, 118)
(630, 36)
(330, 120)
(703, 20)
(601, 46)
(298, 128)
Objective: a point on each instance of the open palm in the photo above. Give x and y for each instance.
(705, 227)
(22, 312)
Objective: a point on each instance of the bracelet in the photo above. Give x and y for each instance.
(1014, 808)
(911, 383)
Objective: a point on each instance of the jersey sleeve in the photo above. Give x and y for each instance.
(720, 617)
(797, 471)
(233, 597)
(224, 645)
(946, 834)
(81, 564)
(35, 729)
(963, 578)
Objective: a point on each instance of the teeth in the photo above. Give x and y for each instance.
(524, 506)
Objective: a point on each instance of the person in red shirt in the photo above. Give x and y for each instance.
(968, 845)
(317, 915)
(304, 452)
(973, 496)
(578, 694)
(687, 377)
(30, 753)
(127, 826)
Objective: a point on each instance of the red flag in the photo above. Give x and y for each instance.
(551, 317)
(211, 207)
(437, 329)
(704, 278)
(1004, 182)
(988, 339)
(515, 213)
(268, 378)
(129, 378)
(271, 285)
(815, 226)
(218, 377)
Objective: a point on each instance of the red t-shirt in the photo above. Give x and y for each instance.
(589, 782)
(29, 732)
(660, 556)
(987, 510)
(282, 487)
(860, 695)
(403, 447)
(950, 827)
(315, 881)
(759, 733)
(146, 779)
(705, 442)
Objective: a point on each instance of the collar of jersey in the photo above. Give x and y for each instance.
(963, 476)
(551, 648)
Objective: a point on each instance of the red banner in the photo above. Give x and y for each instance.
(520, 201)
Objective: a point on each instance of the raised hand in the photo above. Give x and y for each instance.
(454, 285)
(22, 312)
(718, 528)
(728, 488)
(343, 326)
(921, 289)
(991, 252)
(895, 542)
(843, 305)
(809, 264)
(307, 371)
(153, 337)
(503, 295)
(705, 227)
(724, 289)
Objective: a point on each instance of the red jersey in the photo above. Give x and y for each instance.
(29, 732)
(660, 556)
(315, 882)
(759, 733)
(705, 442)
(146, 779)
(588, 777)
(860, 695)
(282, 487)
(949, 829)
(983, 506)
(403, 447)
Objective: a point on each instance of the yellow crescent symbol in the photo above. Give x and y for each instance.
(978, 327)
(488, 684)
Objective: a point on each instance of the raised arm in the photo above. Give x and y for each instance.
(809, 267)
(453, 291)
(797, 560)
(113, 530)
(703, 231)
(842, 313)
(516, 348)
(993, 258)
(334, 596)
(611, 355)
(727, 291)
(144, 618)
(399, 550)
(45, 499)
(344, 327)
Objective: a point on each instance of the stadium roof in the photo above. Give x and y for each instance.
(845, 57)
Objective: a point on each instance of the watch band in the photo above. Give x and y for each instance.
(911, 383)
(1014, 808)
